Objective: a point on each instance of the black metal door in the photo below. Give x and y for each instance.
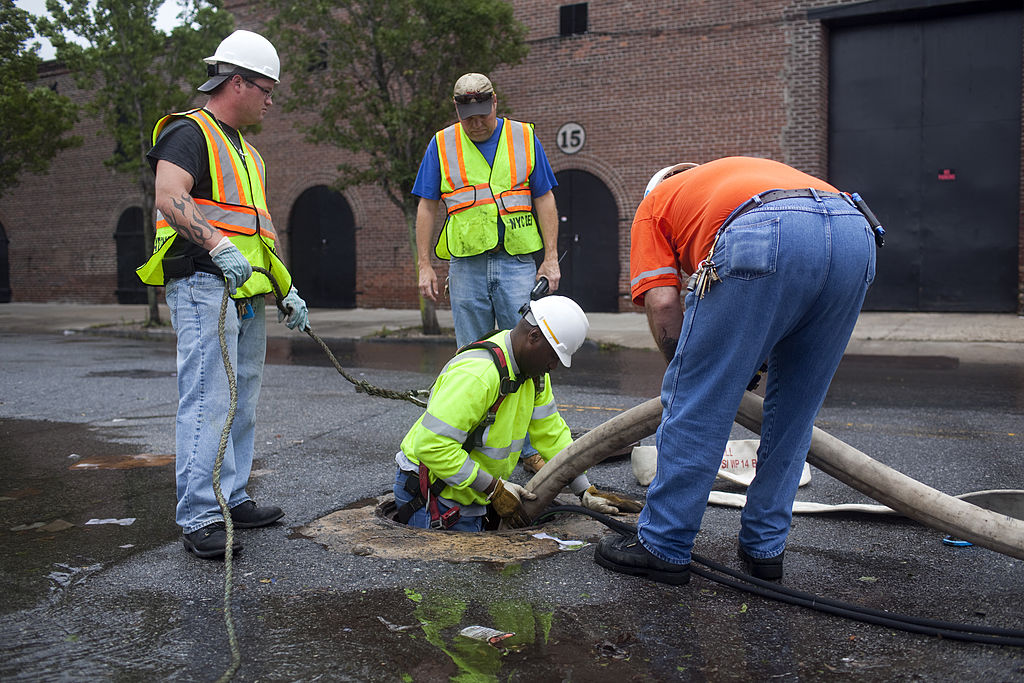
(924, 122)
(5, 268)
(323, 248)
(131, 253)
(588, 236)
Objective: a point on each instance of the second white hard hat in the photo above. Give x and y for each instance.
(244, 49)
(667, 172)
(563, 323)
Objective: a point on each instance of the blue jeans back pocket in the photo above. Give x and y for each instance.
(749, 251)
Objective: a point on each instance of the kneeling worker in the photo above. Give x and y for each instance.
(457, 457)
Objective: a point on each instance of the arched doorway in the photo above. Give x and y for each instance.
(131, 253)
(5, 268)
(323, 248)
(588, 236)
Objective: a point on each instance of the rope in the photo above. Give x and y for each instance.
(229, 551)
(729, 577)
(412, 395)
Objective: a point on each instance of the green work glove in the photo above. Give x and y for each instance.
(609, 503)
(235, 267)
(507, 500)
(299, 315)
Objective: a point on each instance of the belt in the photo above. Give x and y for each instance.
(775, 195)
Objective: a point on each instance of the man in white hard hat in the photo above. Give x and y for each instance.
(779, 263)
(212, 228)
(455, 461)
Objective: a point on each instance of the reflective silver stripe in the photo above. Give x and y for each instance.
(442, 428)
(482, 354)
(463, 475)
(450, 138)
(520, 165)
(546, 410)
(494, 452)
(653, 273)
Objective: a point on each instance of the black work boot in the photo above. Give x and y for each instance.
(209, 541)
(626, 555)
(248, 516)
(764, 568)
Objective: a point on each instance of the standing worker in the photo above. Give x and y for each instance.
(211, 231)
(492, 176)
(456, 459)
(779, 264)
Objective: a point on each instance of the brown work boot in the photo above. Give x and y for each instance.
(533, 463)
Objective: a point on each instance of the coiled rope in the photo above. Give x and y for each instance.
(411, 395)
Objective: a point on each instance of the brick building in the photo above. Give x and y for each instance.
(916, 104)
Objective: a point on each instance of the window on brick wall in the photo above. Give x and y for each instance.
(573, 19)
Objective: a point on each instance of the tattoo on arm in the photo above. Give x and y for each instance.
(188, 222)
(668, 346)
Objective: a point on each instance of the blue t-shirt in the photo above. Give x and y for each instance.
(428, 179)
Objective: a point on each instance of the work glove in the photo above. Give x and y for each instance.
(235, 267)
(299, 315)
(507, 500)
(609, 503)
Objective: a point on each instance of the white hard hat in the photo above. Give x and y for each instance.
(667, 172)
(563, 323)
(244, 49)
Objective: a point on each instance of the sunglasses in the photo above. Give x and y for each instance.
(267, 92)
(474, 97)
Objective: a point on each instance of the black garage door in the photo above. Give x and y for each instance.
(925, 122)
(323, 248)
(588, 236)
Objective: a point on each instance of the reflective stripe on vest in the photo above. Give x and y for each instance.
(238, 208)
(475, 194)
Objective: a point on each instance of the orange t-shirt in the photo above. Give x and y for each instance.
(676, 223)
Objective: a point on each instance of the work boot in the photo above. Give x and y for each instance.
(209, 541)
(533, 463)
(764, 568)
(248, 516)
(626, 555)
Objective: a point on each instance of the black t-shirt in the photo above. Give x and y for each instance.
(182, 143)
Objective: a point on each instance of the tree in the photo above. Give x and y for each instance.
(378, 78)
(136, 74)
(35, 118)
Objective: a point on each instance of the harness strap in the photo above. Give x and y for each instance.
(506, 386)
(419, 487)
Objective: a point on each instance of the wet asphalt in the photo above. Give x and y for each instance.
(86, 425)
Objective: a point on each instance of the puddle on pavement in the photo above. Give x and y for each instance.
(123, 462)
(368, 529)
(58, 477)
(635, 371)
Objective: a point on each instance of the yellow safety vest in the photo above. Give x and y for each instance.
(461, 396)
(476, 194)
(238, 209)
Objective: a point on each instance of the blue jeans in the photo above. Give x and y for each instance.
(487, 291)
(794, 275)
(421, 518)
(204, 396)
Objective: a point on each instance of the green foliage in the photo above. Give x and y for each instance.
(35, 118)
(136, 72)
(377, 75)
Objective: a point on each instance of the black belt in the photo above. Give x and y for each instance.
(776, 195)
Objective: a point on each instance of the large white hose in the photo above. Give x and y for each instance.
(908, 496)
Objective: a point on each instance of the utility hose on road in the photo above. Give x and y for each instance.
(912, 498)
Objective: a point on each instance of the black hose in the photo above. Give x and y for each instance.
(735, 579)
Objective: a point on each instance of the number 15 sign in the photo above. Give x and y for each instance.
(571, 137)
